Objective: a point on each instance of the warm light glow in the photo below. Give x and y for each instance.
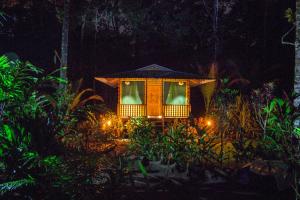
(106, 125)
(159, 117)
(180, 83)
(127, 83)
(209, 122)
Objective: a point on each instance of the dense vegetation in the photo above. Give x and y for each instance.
(46, 131)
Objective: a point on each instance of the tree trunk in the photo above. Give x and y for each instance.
(65, 41)
(297, 59)
(215, 28)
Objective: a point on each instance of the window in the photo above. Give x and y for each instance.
(175, 93)
(133, 92)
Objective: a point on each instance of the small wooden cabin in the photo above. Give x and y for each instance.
(153, 91)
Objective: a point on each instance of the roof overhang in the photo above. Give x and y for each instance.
(113, 82)
(197, 82)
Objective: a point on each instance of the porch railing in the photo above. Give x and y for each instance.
(132, 110)
(176, 111)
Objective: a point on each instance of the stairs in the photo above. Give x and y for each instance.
(157, 124)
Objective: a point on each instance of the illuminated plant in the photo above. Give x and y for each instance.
(282, 137)
(143, 138)
(111, 124)
(208, 89)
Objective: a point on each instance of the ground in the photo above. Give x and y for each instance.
(111, 180)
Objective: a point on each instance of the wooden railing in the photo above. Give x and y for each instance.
(176, 111)
(132, 110)
(139, 110)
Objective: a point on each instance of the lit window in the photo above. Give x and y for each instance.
(175, 93)
(133, 92)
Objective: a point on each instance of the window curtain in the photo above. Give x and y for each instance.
(174, 93)
(133, 92)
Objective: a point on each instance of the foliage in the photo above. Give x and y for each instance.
(281, 140)
(143, 138)
(181, 143)
(111, 125)
(290, 15)
(69, 106)
(28, 95)
(33, 116)
(88, 130)
(260, 100)
(14, 185)
(25, 167)
(22, 98)
(208, 89)
(281, 132)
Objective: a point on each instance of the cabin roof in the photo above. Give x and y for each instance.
(152, 71)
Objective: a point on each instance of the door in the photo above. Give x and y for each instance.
(154, 97)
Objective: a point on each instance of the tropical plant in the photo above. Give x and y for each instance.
(180, 145)
(24, 167)
(208, 89)
(69, 105)
(112, 125)
(282, 137)
(280, 128)
(143, 138)
(260, 99)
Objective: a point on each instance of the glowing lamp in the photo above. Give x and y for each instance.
(108, 123)
(127, 83)
(180, 83)
(209, 122)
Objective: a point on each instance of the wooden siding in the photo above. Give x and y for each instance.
(154, 106)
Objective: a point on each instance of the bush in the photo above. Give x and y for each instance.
(24, 167)
(181, 143)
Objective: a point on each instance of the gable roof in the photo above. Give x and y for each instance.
(154, 67)
(152, 71)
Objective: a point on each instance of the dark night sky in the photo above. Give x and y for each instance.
(253, 52)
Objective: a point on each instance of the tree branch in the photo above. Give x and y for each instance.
(286, 34)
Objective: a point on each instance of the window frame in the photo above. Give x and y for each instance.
(132, 80)
(175, 81)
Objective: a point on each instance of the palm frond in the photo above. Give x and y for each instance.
(14, 185)
(94, 97)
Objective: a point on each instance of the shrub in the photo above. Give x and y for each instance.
(143, 138)
(24, 167)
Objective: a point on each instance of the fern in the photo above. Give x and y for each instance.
(17, 184)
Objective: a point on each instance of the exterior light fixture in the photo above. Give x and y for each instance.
(208, 122)
(180, 83)
(153, 117)
(127, 83)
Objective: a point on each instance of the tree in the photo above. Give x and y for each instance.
(65, 40)
(297, 59)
